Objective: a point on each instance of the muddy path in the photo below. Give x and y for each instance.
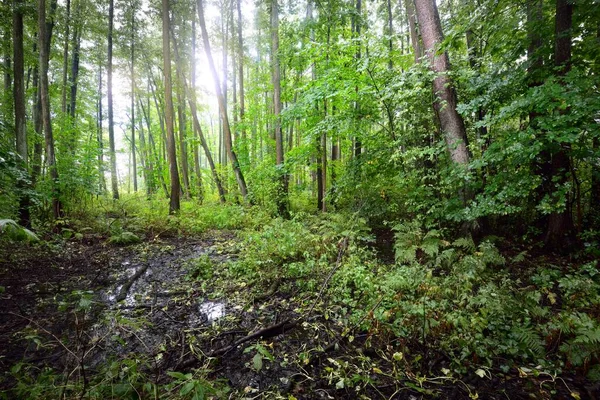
(146, 321)
(81, 308)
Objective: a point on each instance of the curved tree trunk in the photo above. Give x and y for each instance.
(451, 122)
(222, 106)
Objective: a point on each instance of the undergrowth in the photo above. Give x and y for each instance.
(445, 308)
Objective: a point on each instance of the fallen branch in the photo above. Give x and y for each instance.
(267, 332)
(125, 288)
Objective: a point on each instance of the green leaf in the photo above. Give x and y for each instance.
(188, 387)
(177, 375)
(257, 362)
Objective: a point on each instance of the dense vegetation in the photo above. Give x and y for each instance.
(404, 197)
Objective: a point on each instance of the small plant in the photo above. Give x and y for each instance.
(124, 238)
(12, 231)
(261, 354)
(200, 268)
(194, 386)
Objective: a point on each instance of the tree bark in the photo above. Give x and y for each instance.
(132, 74)
(66, 58)
(43, 37)
(19, 107)
(182, 131)
(390, 32)
(409, 5)
(197, 160)
(222, 106)
(73, 81)
(7, 111)
(241, 77)
(100, 135)
(174, 203)
(111, 122)
(451, 122)
(559, 233)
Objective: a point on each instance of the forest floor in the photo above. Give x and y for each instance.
(85, 318)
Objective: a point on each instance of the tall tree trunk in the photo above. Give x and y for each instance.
(45, 100)
(560, 223)
(191, 96)
(451, 122)
(7, 111)
(102, 179)
(241, 77)
(236, 135)
(409, 5)
(111, 122)
(132, 74)
(74, 69)
(390, 33)
(222, 106)
(143, 152)
(19, 106)
(224, 71)
(65, 83)
(204, 144)
(174, 203)
(282, 195)
(182, 128)
(36, 113)
(197, 160)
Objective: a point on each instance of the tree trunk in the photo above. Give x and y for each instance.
(241, 78)
(222, 106)
(19, 100)
(74, 70)
(132, 75)
(66, 59)
(174, 203)
(197, 161)
(559, 233)
(282, 195)
(45, 101)
(100, 135)
(7, 111)
(36, 113)
(182, 139)
(451, 122)
(390, 33)
(409, 5)
(111, 122)
(191, 96)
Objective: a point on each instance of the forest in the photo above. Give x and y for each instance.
(312, 199)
